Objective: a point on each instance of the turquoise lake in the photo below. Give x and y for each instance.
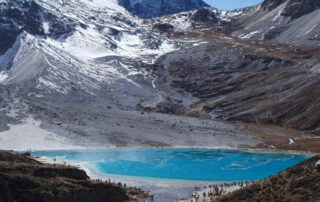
(180, 164)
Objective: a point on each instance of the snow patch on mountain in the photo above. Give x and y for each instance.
(250, 35)
(3, 76)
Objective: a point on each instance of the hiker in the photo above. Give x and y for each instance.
(197, 197)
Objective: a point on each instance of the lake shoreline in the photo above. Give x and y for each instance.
(183, 188)
(245, 149)
(161, 187)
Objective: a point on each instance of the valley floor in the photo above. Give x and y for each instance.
(127, 129)
(153, 130)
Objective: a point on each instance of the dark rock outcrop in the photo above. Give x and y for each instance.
(204, 16)
(17, 16)
(163, 27)
(157, 8)
(271, 4)
(27, 16)
(294, 8)
(298, 8)
(59, 26)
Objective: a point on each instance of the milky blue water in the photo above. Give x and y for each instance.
(182, 164)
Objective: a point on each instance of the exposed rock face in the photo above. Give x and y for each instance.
(24, 179)
(13, 21)
(204, 16)
(299, 183)
(285, 21)
(156, 8)
(294, 8)
(28, 16)
(271, 4)
(298, 8)
(164, 27)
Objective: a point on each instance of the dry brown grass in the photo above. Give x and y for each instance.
(25, 179)
(297, 184)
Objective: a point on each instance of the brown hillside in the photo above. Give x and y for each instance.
(300, 183)
(24, 179)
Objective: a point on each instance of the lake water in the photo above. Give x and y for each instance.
(180, 164)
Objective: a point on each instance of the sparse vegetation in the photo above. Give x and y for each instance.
(25, 179)
(299, 184)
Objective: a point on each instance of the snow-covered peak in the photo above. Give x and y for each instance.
(84, 42)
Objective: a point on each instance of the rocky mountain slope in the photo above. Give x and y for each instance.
(77, 47)
(87, 74)
(157, 8)
(97, 75)
(299, 183)
(238, 74)
(248, 81)
(291, 21)
(24, 179)
(287, 21)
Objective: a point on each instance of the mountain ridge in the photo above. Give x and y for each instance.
(288, 21)
(157, 8)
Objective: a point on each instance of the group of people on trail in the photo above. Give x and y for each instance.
(239, 183)
(213, 193)
(217, 190)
